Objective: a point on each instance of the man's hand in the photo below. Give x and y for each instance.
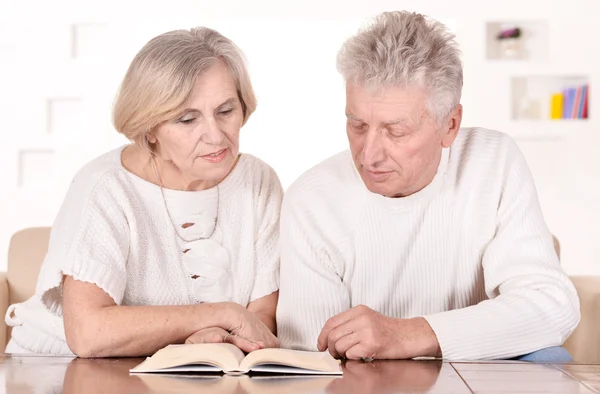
(363, 333)
(219, 335)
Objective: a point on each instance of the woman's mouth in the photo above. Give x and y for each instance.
(216, 157)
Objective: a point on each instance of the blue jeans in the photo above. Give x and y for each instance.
(554, 354)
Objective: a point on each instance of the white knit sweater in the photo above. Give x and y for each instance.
(113, 230)
(470, 253)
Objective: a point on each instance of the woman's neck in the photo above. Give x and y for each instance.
(139, 162)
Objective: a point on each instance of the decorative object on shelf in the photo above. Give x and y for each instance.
(518, 40)
(529, 108)
(510, 39)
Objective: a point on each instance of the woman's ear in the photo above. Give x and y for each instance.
(151, 138)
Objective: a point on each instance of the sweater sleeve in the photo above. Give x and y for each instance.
(89, 241)
(266, 245)
(312, 290)
(531, 302)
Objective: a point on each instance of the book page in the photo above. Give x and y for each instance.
(310, 361)
(224, 356)
(284, 369)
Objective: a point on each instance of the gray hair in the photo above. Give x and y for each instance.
(405, 49)
(161, 77)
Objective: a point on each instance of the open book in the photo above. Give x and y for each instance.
(229, 359)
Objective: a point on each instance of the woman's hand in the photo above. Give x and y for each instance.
(219, 335)
(246, 324)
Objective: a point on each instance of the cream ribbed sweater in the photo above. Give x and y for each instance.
(113, 231)
(471, 253)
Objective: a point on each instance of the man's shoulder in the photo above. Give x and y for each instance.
(480, 147)
(326, 199)
(480, 139)
(483, 157)
(331, 178)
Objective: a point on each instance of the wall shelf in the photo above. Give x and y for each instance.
(532, 43)
(563, 98)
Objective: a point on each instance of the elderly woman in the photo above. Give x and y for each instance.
(170, 239)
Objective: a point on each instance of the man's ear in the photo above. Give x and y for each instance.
(451, 127)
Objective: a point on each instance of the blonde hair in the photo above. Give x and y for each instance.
(161, 77)
(404, 48)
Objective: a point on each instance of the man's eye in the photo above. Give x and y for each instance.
(358, 126)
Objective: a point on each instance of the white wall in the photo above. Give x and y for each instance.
(291, 48)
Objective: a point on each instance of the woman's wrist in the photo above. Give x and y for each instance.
(218, 314)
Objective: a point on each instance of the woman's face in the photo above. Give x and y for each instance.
(203, 143)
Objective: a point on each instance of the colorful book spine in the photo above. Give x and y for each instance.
(571, 103)
(556, 106)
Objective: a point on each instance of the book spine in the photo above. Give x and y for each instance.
(585, 102)
(576, 102)
(556, 106)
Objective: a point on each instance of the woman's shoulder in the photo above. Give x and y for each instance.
(253, 173)
(255, 166)
(98, 173)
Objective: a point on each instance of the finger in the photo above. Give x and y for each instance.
(335, 335)
(207, 335)
(242, 343)
(358, 352)
(205, 338)
(331, 324)
(356, 324)
(346, 342)
(276, 342)
(338, 320)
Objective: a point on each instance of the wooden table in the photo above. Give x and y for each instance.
(67, 375)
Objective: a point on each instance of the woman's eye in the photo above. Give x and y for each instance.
(186, 121)
(225, 112)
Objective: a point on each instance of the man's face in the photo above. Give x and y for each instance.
(395, 144)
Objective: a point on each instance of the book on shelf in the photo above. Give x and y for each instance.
(229, 359)
(571, 103)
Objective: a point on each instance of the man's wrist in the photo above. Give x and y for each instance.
(427, 343)
(415, 338)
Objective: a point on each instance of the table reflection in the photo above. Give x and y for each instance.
(386, 376)
(37, 375)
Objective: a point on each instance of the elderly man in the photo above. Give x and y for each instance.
(425, 239)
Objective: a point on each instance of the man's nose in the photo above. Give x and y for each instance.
(374, 149)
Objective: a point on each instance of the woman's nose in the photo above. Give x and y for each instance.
(212, 133)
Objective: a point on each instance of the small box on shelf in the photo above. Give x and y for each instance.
(516, 40)
(550, 97)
